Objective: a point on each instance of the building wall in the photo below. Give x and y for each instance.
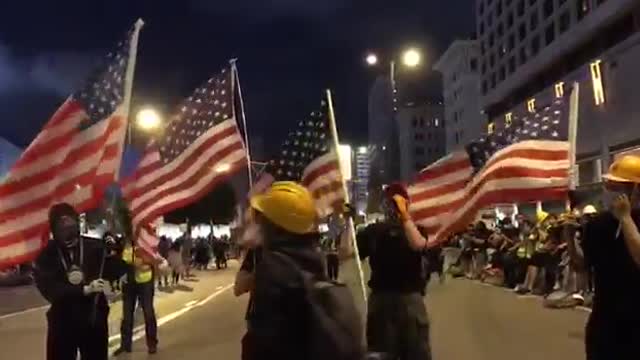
(521, 39)
(459, 66)
(422, 137)
(361, 170)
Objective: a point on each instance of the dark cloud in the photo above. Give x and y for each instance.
(267, 10)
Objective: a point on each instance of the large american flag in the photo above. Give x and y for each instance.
(73, 159)
(527, 160)
(199, 148)
(308, 156)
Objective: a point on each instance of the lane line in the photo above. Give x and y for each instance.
(139, 333)
(7, 316)
(191, 303)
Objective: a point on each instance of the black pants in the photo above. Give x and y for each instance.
(68, 335)
(333, 266)
(608, 338)
(398, 326)
(142, 293)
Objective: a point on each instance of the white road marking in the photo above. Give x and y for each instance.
(191, 303)
(584, 308)
(6, 316)
(138, 331)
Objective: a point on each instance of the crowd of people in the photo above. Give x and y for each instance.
(528, 256)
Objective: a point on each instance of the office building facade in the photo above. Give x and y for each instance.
(459, 66)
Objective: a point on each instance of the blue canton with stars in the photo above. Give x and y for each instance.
(550, 123)
(104, 90)
(210, 105)
(310, 140)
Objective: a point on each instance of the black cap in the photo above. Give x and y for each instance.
(59, 210)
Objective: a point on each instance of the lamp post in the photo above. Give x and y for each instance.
(410, 58)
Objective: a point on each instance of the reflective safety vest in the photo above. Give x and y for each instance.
(143, 272)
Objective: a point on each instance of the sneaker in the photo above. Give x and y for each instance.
(152, 350)
(121, 351)
(522, 290)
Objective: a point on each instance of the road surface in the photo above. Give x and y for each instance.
(469, 321)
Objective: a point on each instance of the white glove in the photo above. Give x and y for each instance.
(96, 286)
(107, 290)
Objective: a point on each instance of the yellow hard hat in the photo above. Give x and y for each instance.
(625, 169)
(288, 205)
(589, 210)
(541, 216)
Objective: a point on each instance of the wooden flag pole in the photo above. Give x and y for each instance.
(574, 111)
(236, 83)
(128, 86)
(351, 227)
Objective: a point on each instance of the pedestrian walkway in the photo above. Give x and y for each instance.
(22, 335)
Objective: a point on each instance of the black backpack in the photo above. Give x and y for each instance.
(335, 324)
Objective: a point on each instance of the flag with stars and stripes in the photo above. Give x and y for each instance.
(308, 157)
(527, 160)
(199, 148)
(73, 159)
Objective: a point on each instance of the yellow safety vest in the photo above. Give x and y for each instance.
(143, 272)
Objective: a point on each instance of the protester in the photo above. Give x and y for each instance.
(220, 247)
(330, 248)
(175, 261)
(139, 289)
(286, 320)
(397, 322)
(611, 247)
(73, 275)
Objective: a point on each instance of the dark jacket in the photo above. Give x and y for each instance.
(68, 302)
(279, 322)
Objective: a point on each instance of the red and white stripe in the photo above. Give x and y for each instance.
(62, 164)
(439, 190)
(323, 178)
(160, 188)
(533, 170)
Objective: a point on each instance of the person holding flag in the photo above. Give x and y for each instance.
(611, 248)
(74, 276)
(397, 322)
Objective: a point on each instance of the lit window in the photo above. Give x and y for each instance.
(491, 128)
(508, 119)
(596, 79)
(437, 122)
(531, 105)
(559, 89)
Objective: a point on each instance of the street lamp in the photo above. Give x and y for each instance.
(372, 59)
(148, 119)
(411, 58)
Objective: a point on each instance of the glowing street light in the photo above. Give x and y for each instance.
(148, 119)
(411, 58)
(372, 59)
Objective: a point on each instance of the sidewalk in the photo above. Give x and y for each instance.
(23, 334)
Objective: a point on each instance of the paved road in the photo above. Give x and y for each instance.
(469, 321)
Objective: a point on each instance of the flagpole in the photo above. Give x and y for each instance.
(351, 227)
(236, 82)
(574, 111)
(128, 85)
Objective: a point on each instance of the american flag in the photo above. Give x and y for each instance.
(308, 157)
(73, 159)
(527, 160)
(199, 148)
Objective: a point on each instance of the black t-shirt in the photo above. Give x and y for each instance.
(616, 276)
(395, 267)
(251, 260)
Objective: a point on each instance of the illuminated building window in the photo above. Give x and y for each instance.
(559, 89)
(596, 79)
(508, 119)
(531, 105)
(491, 128)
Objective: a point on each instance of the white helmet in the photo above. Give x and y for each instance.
(589, 210)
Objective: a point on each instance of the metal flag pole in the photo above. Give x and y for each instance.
(128, 86)
(236, 82)
(574, 110)
(351, 227)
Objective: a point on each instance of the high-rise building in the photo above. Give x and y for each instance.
(459, 66)
(532, 51)
(421, 136)
(360, 179)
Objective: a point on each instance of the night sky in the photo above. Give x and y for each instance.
(288, 51)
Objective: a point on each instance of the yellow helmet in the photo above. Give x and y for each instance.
(626, 169)
(541, 216)
(288, 205)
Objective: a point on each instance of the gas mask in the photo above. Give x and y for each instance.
(67, 231)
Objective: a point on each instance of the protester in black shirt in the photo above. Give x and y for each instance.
(611, 247)
(397, 322)
(73, 274)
